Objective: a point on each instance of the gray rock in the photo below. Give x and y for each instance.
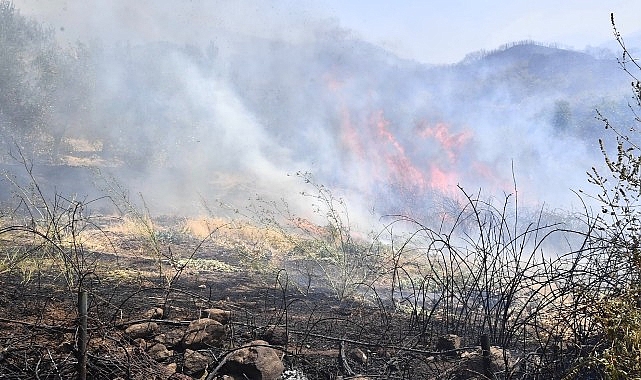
(357, 355)
(203, 333)
(472, 365)
(159, 352)
(142, 330)
(171, 368)
(155, 313)
(275, 335)
(195, 363)
(220, 315)
(255, 361)
(448, 342)
(171, 338)
(180, 376)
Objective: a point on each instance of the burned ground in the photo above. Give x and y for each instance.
(317, 334)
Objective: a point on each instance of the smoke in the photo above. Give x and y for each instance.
(224, 100)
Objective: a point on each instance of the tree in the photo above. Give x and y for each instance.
(26, 61)
(617, 309)
(562, 116)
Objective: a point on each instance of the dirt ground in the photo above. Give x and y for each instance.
(39, 314)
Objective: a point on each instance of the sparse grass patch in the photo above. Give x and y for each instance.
(211, 265)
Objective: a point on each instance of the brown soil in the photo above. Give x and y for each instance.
(38, 328)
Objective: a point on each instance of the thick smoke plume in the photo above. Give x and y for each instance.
(220, 100)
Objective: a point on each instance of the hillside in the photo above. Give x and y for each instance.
(278, 208)
(241, 113)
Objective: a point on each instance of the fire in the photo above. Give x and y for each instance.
(442, 180)
(381, 125)
(451, 143)
(386, 159)
(349, 135)
(431, 156)
(400, 167)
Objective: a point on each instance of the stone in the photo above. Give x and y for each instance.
(155, 313)
(159, 352)
(195, 363)
(171, 338)
(203, 333)
(357, 355)
(180, 376)
(275, 335)
(142, 330)
(171, 368)
(254, 361)
(141, 343)
(448, 342)
(220, 315)
(472, 364)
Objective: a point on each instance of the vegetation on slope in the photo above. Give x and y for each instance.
(567, 309)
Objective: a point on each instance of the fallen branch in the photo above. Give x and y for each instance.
(38, 326)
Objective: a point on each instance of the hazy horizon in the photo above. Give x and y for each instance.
(217, 101)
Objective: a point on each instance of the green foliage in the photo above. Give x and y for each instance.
(347, 263)
(562, 117)
(617, 309)
(620, 318)
(52, 229)
(45, 88)
(26, 59)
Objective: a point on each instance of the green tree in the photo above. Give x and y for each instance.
(562, 117)
(26, 63)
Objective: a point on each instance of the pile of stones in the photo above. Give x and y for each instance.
(185, 349)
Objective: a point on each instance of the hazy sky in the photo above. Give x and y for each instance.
(446, 30)
(433, 31)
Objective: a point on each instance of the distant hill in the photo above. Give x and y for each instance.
(397, 133)
(523, 103)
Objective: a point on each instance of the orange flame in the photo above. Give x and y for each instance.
(400, 167)
(436, 157)
(441, 180)
(451, 143)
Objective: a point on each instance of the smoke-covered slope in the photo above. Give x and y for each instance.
(177, 122)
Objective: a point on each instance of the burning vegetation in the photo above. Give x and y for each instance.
(132, 246)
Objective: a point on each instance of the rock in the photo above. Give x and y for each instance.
(180, 376)
(220, 315)
(140, 343)
(142, 330)
(357, 355)
(448, 342)
(159, 352)
(254, 361)
(171, 338)
(155, 313)
(171, 368)
(275, 335)
(203, 333)
(195, 363)
(472, 365)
